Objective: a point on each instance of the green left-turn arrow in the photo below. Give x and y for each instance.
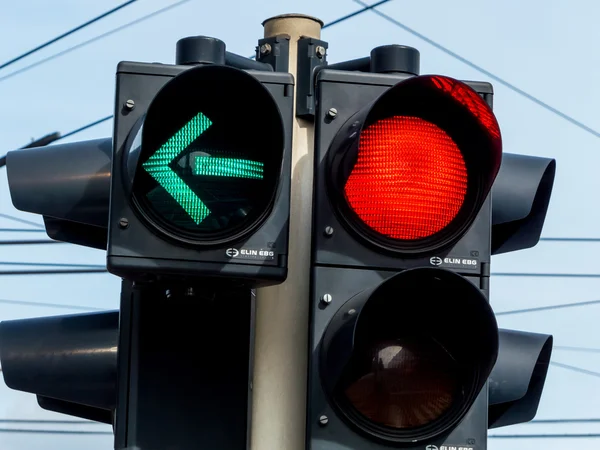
(158, 168)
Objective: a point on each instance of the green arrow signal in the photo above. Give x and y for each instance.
(228, 167)
(158, 168)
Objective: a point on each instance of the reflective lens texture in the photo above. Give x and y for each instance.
(405, 383)
(203, 173)
(409, 180)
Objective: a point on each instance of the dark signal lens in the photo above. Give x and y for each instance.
(406, 384)
(409, 180)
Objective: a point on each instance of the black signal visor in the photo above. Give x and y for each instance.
(203, 176)
(411, 170)
(404, 362)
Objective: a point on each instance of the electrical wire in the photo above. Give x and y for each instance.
(576, 349)
(538, 421)
(546, 275)
(575, 369)
(365, 8)
(104, 119)
(26, 222)
(85, 127)
(52, 272)
(563, 239)
(94, 39)
(34, 431)
(485, 72)
(50, 305)
(55, 422)
(548, 308)
(15, 263)
(68, 33)
(30, 242)
(544, 436)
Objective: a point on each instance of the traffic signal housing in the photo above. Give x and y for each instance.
(402, 337)
(201, 173)
(190, 200)
(195, 182)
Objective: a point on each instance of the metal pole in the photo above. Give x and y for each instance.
(280, 351)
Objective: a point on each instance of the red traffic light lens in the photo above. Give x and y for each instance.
(410, 172)
(409, 180)
(408, 383)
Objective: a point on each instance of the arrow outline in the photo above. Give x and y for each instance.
(157, 166)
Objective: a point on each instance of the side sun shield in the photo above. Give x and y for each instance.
(68, 184)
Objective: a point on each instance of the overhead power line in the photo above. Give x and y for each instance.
(104, 119)
(575, 369)
(576, 349)
(480, 69)
(50, 305)
(19, 263)
(365, 8)
(545, 436)
(563, 239)
(18, 219)
(54, 422)
(548, 308)
(30, 242)
(34, 431)
(68, 33)
(85, 127)
(52, 272)
(534, 422)
(94, 39)
(546, 275)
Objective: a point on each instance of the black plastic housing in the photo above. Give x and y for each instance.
(343, 265)
(69, 362)
(137, 252)
(521, 195)
(68, 184)
(349, 92)
(518, 378)
(343, 284)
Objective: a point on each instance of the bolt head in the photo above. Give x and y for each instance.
(326, 299)
(328, 231)
(332, 113)
(351, 312)
(323, 420)
(320, 50)
(123, 222)
(130, 104)
(265, 49)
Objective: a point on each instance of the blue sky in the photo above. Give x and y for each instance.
(546, 48)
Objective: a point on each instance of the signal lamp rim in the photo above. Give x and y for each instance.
(208, 239)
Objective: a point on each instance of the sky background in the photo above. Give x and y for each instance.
(546, 48)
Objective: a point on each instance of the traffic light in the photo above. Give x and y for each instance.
(190, 199)
(403, 339)
(195, 182)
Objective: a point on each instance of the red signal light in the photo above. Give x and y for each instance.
(409, 180)
(472, 101)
